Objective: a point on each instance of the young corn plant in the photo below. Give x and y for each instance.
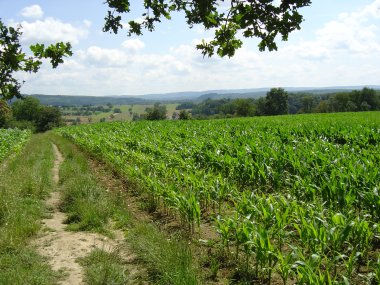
(350, 263)
(339, 232)
(189, 209)
(225, 227)
(284, 266)
(219, 192)
(363, 235)
(377, 269)
(244, 240)
(308, 270)
(266, 258)
(283, 212)
(312, 233)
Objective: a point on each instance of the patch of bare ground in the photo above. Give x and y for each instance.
(63, 248)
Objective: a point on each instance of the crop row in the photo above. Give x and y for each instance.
(293, 196)
(11, 141)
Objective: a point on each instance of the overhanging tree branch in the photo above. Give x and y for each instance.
(13, 59)
(251, 18)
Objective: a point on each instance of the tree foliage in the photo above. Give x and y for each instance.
(49, 117)
(158, 112)
(27, 109)
(184, 115)
(357, 100)
(29, 113)
(13, 59)
(276, 102)
(5, 113)
(263, 19)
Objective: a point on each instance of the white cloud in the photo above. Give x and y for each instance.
(353, 33)
(51, 30)
(371, 10)
(87, 23)
(101, 57)
(34, 12)
(133, 45)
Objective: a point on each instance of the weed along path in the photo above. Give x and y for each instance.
(65, 248)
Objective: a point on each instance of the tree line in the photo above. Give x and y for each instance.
(29, 114)
(88, 110)
(280, 102)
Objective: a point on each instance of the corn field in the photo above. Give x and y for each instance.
(294, 199)
(11, 141)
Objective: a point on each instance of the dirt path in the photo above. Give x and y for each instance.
(62, 247)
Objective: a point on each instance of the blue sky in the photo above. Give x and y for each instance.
(339, 44)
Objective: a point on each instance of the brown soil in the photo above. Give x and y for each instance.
(63, 248)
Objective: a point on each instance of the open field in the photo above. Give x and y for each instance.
(294, 199)
(126, 114)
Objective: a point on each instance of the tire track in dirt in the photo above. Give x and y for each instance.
(63, 248)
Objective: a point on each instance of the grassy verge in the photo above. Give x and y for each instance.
(102, 267)
(169, 260)
(24, 183)
(92, 207)
(89, 206)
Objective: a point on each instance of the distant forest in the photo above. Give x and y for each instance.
(295, 103)
(277, 101)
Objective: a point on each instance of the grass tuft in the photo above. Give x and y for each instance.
(169, 261)
(24, 266)
(102, 267)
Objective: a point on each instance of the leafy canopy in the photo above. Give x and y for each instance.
(158, 112)
(276, 102)
(5, 113)
(13, 59)
(29, 113)
(263, 19)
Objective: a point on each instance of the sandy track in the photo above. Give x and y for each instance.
(63, 248)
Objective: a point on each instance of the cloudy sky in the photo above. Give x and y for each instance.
(339, 44)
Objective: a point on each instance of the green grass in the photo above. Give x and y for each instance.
(25, 266)
(89, 207)
(124, 115)
(24, 183)
(102, 267)
(169, 260)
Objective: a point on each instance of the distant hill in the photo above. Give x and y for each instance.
(64, 100)
(214, 96)
(246, 93)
